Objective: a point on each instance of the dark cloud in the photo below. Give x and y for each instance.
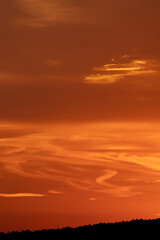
(75, 101)
(32, 89)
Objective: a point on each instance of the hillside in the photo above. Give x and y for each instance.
(129, 229)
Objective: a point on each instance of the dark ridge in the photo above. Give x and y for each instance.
(127, 229)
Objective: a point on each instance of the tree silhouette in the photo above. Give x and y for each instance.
(128, 230)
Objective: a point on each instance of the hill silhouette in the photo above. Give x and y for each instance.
(128, 230)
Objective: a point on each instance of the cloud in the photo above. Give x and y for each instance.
(114, 189)
(92, 199)
(53, 63)
(55, 192)
(13, 77)
(9, 77)
(5, 76)
(42, 13)
(151, 161)
(99, 158)
(120, 69)
(109, 174)
(19, 195)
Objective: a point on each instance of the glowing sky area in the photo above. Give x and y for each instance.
(79, 112)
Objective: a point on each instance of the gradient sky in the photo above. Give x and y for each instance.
(79, 112)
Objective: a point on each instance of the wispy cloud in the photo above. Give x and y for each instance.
(46, 12)
(93, 158)
(109, 174)
(92, 199)
(55, 192)
(13, 77)
(4, 76)
(19, 195)
(119, 69)
(114, 189)
(53, 63)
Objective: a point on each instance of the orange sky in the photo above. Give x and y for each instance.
(79, 112)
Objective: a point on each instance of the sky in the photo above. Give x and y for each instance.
(79, 112)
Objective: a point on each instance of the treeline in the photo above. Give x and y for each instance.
(127, 229)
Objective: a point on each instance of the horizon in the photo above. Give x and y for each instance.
(83, 226)
(79, 112)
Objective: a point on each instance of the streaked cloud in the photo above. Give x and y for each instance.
(109, 174)
(19, 195)
(95, 158)
(53, 63)
(114, 189)
(92, 199)
(42, 13)
(4, 77)
(119, 69)
(55, 192)
(11, 77)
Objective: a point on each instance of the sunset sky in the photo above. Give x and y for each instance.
(79, 112)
